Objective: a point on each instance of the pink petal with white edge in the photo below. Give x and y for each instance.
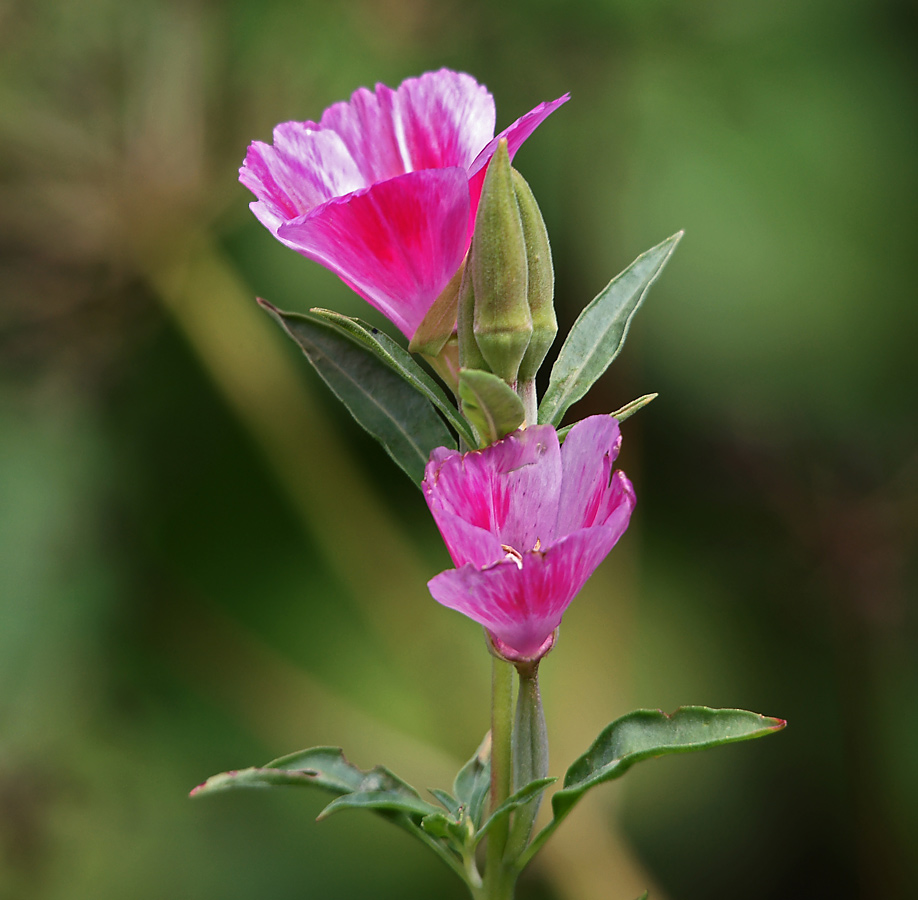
(445, 119)
(522, 604)
(301, 170)
(509, 489)
(397, 243)
(587, 456)
(438, 120)
(516, 134)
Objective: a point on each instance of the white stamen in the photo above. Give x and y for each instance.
(515, 555)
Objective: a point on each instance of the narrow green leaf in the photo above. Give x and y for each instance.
(599, 333)
(644, 896)
(380, 399)
(473, 781)
(490, 404)
(645, 734)
(628, 410)
(514, 801)
(401, 362)
(377, 790)
(450, 803)
(321, 767)
(384, 801)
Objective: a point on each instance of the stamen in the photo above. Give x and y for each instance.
(513, 554)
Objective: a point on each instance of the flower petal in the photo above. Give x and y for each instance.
(587, 455)
(509, 489)
(397, 243)
(445, 118)
(304, 168)
(522, 604)
(438, 120)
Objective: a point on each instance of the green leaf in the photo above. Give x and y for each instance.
(380, 399)
(599, 333)
(490, 404)
(379, 789)
(644, 896)
(514, 801)
(326, 768)
(384, 801)
(450, 803)
(645, 734)
(473, 781)
(628, 410)
(321, 767)
(401, 362)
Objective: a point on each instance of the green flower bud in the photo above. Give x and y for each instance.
(541, 282)
(469, 355)
(500, 275)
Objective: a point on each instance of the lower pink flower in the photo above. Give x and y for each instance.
(526, 522)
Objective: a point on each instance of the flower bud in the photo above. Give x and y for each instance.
(500, 275)
(469, 355)
(541, 279)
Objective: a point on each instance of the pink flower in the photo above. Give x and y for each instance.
(526, 521)
(383, 191)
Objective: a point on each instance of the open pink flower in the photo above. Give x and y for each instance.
(383, 191)
(526, 521)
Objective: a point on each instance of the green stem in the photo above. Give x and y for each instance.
(530, 753)
(497, 884)
(527, 393)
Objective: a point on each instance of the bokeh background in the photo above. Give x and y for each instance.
(204, 563)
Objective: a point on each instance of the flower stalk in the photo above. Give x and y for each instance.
(530, 752)
(497, 874)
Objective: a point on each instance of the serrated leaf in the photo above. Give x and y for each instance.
(473, 781)
(599, 333)
(403, 420)
(514, 801)
(645, 734)
(628, 410)
(490, 404)
(402, 363)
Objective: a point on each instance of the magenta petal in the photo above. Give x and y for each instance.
(396, 243)
(589, 451)
(522, 605)
(467, 543)
(445, 118)
(509, 489)
(516, 134)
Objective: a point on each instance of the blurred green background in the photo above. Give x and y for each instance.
(205, 564)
